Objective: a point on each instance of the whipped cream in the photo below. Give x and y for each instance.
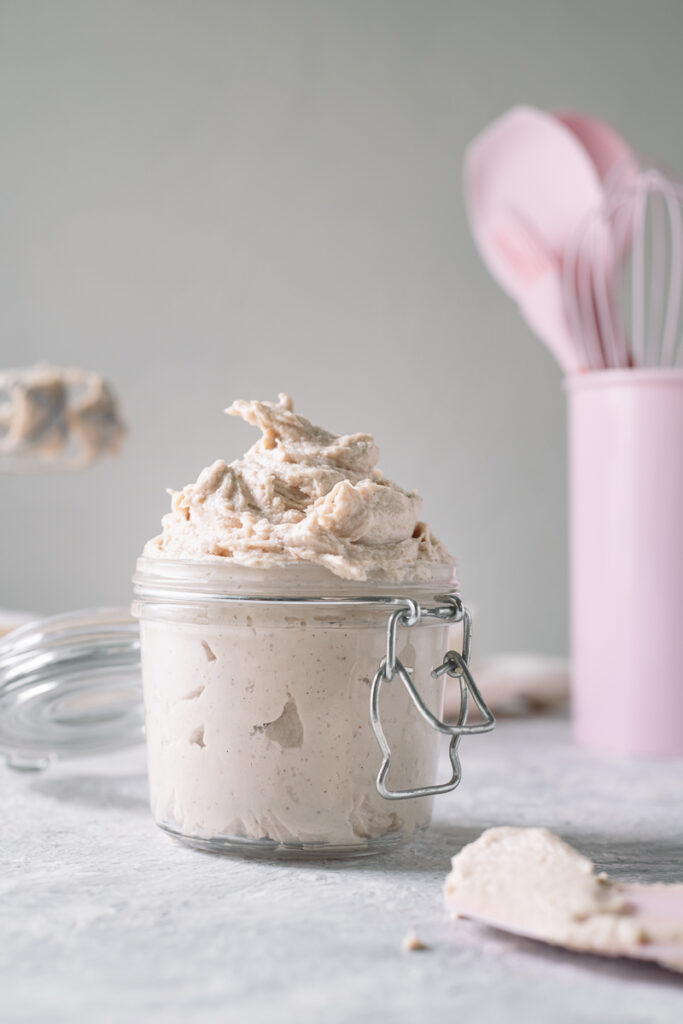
(301, 494)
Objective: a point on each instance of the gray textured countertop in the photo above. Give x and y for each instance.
(102, 917)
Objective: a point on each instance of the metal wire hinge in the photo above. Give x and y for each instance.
(455, 665)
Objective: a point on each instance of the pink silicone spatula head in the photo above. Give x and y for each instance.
(528, 165)
(528, 185)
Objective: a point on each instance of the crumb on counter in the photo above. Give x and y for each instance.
(412, 943)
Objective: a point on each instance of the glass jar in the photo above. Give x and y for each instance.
(280, 709)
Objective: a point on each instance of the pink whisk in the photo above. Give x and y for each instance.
(623, 276)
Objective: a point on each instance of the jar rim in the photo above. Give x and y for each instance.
(214, 579)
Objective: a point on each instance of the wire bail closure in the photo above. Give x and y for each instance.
(455, 665)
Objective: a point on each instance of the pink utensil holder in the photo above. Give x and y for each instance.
(626, 542)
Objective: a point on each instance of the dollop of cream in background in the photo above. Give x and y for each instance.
(301, 494)
(65, 417)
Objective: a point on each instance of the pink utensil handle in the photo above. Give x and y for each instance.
(626, 564)
(543, 309)
(671, 954)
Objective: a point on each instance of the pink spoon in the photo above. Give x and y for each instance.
(615, 162)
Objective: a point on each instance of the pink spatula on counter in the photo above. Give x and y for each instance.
(529, 882)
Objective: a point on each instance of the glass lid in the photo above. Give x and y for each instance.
(70, 686)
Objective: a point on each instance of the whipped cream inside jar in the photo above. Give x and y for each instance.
(295, 617)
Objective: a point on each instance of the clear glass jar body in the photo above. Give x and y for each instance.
(257, 696)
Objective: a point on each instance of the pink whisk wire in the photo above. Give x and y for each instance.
(644, 222)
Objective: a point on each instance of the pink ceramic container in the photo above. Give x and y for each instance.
(626, 527)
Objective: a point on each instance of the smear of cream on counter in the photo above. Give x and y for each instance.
(530, 882)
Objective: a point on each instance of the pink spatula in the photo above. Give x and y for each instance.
(530, 180)
(528, 184)
(530, 882)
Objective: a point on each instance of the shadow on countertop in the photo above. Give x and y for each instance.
(98, 791)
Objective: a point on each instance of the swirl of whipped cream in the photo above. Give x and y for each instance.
(301, 494)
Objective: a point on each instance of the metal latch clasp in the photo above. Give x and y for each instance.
(454, 664)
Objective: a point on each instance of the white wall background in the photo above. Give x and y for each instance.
(209, 200)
